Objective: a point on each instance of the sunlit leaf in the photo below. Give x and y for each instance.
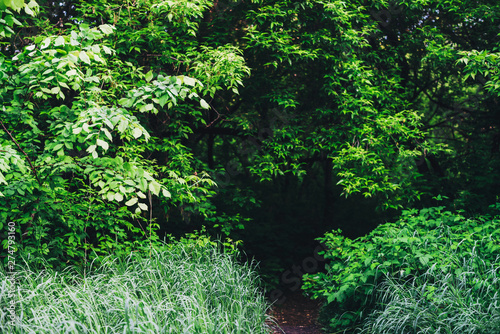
(137, 132)
(131, 201)
(84, 57)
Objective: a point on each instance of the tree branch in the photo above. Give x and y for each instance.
(20, 149)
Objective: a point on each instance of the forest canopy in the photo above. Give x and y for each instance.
(126, 120)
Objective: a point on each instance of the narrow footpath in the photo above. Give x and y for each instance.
(297, 315)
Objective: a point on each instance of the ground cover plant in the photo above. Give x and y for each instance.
(461, 298)
(420, 240)
(186, 288)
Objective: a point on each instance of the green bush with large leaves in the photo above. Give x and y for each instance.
(125, 103)
(84, 156)
(432, 237)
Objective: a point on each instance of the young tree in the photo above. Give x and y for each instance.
(91, 131)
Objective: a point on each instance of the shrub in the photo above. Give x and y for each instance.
(462, 298)
(419, 240)
(189, 287)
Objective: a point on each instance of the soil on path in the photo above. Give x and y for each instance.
(296, 315)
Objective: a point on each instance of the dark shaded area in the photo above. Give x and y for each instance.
(289, 214)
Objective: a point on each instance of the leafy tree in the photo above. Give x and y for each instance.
(79, 124)
(115, 114)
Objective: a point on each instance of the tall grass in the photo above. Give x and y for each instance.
(184, 289)
(463, 298)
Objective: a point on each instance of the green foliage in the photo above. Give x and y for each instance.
(338, 104)
(82, 115)
(484, 64)
(185, 287)
(461, 298)
(8, 19)
(139, 106)
(420, 239)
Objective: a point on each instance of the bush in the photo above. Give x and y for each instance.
(462, 298)
(420, 239)
(189, 287)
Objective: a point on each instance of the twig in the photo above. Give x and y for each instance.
(26, 155)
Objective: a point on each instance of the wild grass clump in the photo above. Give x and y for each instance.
(187, 288)
(463, 298)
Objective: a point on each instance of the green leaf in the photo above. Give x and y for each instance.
(163, 100)
(107, 134)
(131, 201)
(29, 11)
(9, 20)
(71, 73)
(91, 148)
(106, 49)
(189, 81)
(123, 125)
(118, 197)
(149, 76)
(155, 187)
(204, 104)
(45, 43)
(14, 4)
(103, 144)
(59, 41)
(84, 57)
(148, 107)
(106, 28)
(137, 132)
(110, 196)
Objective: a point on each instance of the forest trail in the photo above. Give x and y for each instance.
(297, 315)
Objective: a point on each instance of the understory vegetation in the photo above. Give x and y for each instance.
(461, 297)
(433, 271)
(184, 287)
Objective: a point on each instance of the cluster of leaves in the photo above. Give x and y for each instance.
(78, 128)
(420, 239)
(348, 117)
(8, 19)
(484, 65)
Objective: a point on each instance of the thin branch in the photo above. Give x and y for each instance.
(26, 155)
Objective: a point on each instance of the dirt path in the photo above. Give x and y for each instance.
(297, 315)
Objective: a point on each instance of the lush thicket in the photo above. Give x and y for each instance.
(187, 287)
(463, 298)
(270, 121)
(425, 269)
(122, 110)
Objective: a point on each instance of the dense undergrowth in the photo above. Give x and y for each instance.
(187, 287)
(433, 271)
(463, 298)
